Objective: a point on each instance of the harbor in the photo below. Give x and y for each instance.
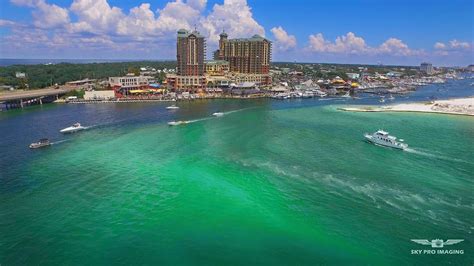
(256, 156)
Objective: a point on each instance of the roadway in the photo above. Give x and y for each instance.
(31, 94)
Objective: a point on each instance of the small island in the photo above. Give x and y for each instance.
(462, 106)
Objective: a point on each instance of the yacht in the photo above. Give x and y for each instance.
(172, 107)
(40, 143)
(177, 123)
(218, 114)
(74, 128)
(382, 138)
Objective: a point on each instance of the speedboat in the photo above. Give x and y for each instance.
(74, 128)
(172, 107)
(382, 138)
(41, 143)
(218, 114)
(177, 123)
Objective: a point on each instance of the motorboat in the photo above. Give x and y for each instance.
(218, 114)
(177, 123)
(172, 107)
(74, 128)
(382, 138)
(41, 143)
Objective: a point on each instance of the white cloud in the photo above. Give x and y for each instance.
(7, 23)
(140, 28)
(45, 15)
(352, 44)
(284, 41)
(347, 44)
(453, 47)
(95, 16)
(233, 16)
(461, 45)
(440, 45)
(394, 46)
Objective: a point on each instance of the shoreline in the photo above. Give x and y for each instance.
(458, 106)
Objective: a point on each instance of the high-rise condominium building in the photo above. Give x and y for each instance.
(246, 55)
(191, 52)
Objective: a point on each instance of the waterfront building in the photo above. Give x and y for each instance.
(190, 54)
(99, 95)
(248, 58)
(217, 67)
(426, 68)
(123, 85)
(470, 68)
(246, 55)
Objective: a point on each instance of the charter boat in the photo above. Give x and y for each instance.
(218, 114)
(41, 143)
(172, 107)
(177, 123)
(74, 128)
(382, 138)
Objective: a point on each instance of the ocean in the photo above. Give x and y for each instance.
(269, 183)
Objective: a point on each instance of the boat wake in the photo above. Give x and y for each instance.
(434, 156)
(59, 141)
(198, 120)
(238, 110)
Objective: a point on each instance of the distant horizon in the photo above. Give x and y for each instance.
(124, 60)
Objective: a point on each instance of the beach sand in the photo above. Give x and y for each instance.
(462, 106)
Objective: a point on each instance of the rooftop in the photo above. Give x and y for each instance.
(255, 38)
(183, 33)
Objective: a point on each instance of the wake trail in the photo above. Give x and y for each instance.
(238, 110)
(59, 141)
(435, 156)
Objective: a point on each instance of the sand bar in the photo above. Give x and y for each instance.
(462, 106)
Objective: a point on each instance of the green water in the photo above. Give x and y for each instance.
(263, 186)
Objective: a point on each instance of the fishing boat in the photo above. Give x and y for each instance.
(74, 128)
(177, 123)
(218, 114)
(41, 143)
(172, 107)
(382, 138)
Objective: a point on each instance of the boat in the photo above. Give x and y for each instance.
(218, 114)
(382, 138)
(172, 107)
(177, 123)
(41, 143)
(382, 100)
(74, 128)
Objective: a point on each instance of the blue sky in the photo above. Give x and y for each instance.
(357, 31)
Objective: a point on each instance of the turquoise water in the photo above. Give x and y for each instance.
(284, 183)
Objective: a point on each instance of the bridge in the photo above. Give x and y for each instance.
(20, 99)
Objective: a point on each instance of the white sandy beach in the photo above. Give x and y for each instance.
(462, 106)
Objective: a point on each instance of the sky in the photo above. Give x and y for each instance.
(393, 32)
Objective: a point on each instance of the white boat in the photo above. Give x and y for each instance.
(218, 114)
(172, 107)
(41, 143)
(382, 138)
(177, 123)
(74, 128)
